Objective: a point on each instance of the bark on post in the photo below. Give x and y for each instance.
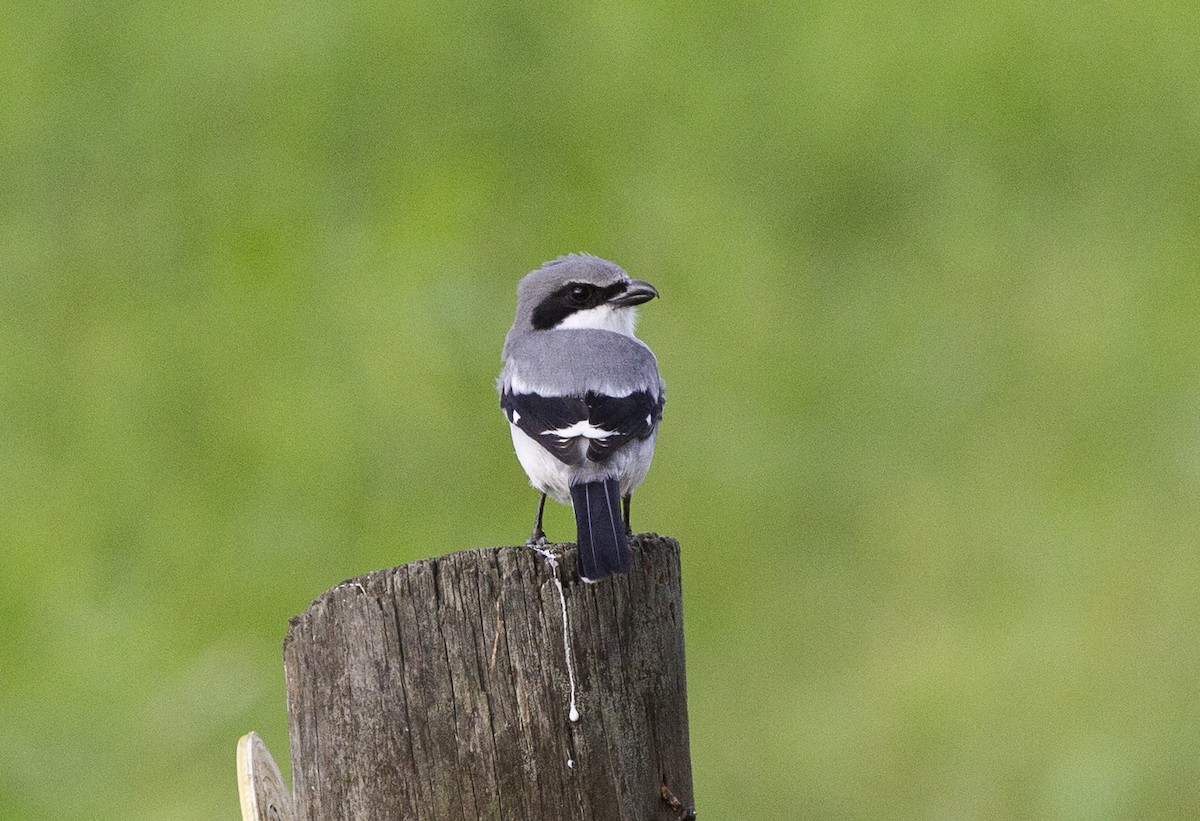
(439, 691)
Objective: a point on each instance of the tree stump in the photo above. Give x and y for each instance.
(440, 691)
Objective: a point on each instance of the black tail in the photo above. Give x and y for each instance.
(603, 548)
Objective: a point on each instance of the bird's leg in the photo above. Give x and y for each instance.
(538, 536)
(625, 504)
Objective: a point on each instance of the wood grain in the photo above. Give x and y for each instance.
(438, 691)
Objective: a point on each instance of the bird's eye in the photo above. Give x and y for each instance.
(579, 294)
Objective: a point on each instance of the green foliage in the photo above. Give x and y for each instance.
(929, 325)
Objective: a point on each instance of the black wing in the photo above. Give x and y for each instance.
(538, 416)
(628, 417)
(624, 418)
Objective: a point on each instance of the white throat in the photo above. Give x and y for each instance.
(603, 318)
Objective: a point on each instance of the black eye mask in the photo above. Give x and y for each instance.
(566, 301)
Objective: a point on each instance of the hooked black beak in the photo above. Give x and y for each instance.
(635, 293)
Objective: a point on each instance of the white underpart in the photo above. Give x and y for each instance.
(628, 465)
(581, 428)
(604, 318)
(546, 473)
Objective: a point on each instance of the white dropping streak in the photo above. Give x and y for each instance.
(562, 601)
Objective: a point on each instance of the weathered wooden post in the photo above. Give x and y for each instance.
(440, 691)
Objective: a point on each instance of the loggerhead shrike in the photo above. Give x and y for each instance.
(583, 399)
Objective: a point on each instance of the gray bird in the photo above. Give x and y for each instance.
(583, 399)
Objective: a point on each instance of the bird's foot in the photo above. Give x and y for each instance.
(538, 544)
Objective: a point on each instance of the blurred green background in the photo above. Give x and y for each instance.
(929, 325)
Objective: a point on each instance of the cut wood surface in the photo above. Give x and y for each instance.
(440, 690)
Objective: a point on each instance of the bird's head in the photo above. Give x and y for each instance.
(580, 291)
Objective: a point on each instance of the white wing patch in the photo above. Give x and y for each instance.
(514, 383)
(516, 416)
(581, 428)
